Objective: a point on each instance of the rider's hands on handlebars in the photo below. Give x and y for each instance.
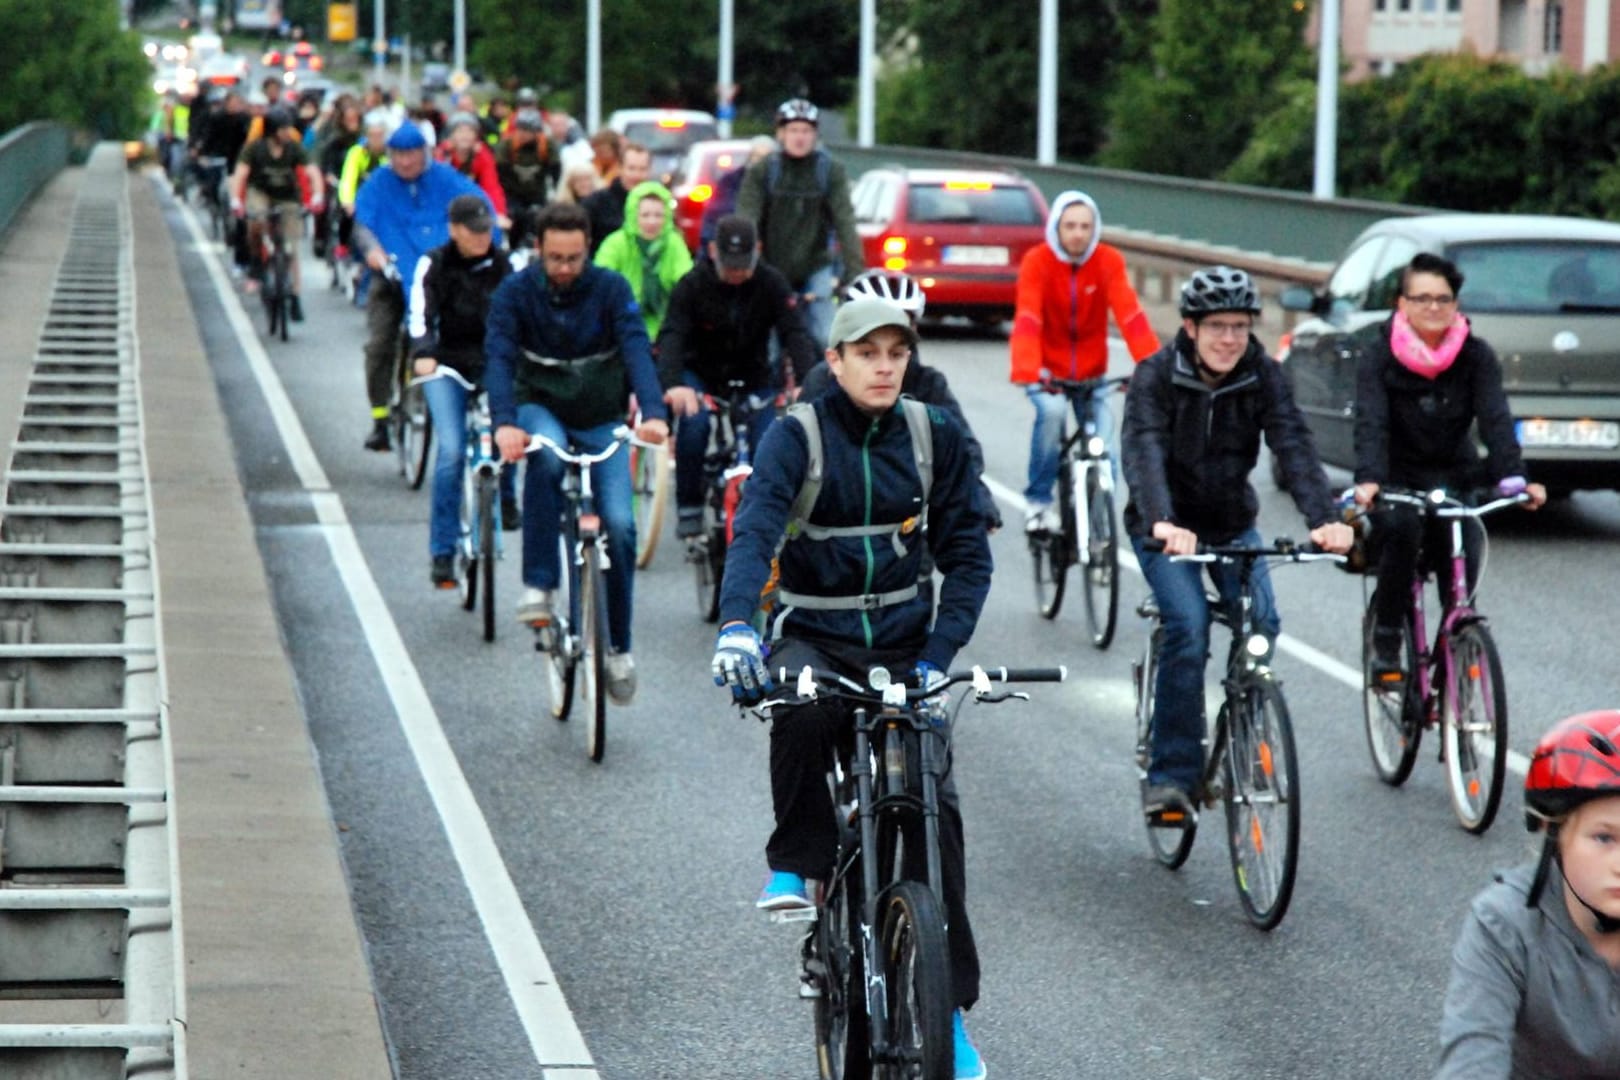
(682, 400)
(513, 443)
(1366, 493)
(653, 430)
(1335, 536)
(1177, 541)
(377, 260)
(1510, 486)
(739, 662)
(425, 365)
(928, 676)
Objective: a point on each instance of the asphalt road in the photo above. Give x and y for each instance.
(638, 874)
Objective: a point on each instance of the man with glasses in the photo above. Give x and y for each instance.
(563, 339)
(401, 213)
(718, 330)
(1194, 417)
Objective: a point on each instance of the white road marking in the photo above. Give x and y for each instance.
(1333, 668)
(553, 1034)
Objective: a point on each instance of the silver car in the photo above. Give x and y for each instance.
(1543, 291)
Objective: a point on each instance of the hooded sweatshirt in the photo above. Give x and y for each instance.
(1061, 321)
(651, 266)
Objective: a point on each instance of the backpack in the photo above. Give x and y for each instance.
(773, 173)
(920, 423)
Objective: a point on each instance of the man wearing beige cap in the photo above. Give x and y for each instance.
(848, 598)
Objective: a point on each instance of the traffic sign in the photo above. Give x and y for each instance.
(459, 81)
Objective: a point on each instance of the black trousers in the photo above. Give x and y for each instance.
(804, 739)
(1403, 536)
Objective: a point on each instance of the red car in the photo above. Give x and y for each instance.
(693, 183)
(961, 233)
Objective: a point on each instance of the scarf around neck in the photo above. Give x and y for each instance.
(652, 286)
(1416, 356)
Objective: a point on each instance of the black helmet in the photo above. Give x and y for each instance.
(1218, 288)
(797, 109)
(278, 118)
(529, 120)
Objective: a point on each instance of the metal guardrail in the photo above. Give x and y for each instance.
(29, 156)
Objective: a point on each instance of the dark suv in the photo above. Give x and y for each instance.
(1543, 291)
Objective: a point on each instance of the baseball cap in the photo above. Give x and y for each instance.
(858, 318)
(407, 137)
(737, 241)
(472, 212)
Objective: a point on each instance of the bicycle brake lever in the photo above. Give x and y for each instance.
(992, 699)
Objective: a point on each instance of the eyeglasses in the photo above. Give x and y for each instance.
(1427, 300)
(1226, 329)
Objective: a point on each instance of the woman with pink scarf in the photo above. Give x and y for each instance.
(1422, 381)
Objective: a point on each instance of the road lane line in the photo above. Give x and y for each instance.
(553, 1033)
(1333, 668)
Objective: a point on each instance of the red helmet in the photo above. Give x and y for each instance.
(1576, 760)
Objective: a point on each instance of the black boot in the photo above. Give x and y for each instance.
(378, 439)
(1388, 662)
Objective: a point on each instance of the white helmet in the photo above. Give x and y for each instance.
(899, 289)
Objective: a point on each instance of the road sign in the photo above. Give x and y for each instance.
(459, 81)
(342, 22)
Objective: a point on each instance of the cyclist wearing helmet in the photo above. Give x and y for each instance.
(1423, 381)
(920, 381)
(267, 174)
(718, 329)
(1535, 975)
(1066, 289)
(463, 150)
(798, 198)
(523, 164)
(1194, 417)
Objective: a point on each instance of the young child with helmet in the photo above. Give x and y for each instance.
(1535, 975)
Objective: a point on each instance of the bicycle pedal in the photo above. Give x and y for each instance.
(793, 915)
(808, 990)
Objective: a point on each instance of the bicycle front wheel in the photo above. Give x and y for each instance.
(707, 557)
(1394, 719)
(556, 642)
(1261, 771)
(917, 983)
(593, 651)
(1101, 567)
(467, 541)
(1474, 727)
(486, 550)
(649, 473)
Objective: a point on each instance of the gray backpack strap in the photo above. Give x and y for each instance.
(814, 466)
(922, 443)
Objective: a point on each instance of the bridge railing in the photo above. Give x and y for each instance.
(29, 156)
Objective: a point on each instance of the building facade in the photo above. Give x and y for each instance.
(1380, 35)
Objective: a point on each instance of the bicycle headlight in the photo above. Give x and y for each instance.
(1096, 447)
(1257, 646)
(878, 678)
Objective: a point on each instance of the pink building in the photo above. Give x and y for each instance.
(1380, 34)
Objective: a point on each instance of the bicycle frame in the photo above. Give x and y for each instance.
(1083, 451)
(479, 452)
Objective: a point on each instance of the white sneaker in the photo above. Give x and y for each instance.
(621, 678)
(1042, 519)
(535, 607)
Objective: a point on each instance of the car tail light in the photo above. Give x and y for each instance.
(700, 193)
(894, 253)
(967, 185)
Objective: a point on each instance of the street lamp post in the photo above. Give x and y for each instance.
(1327, 102)
(866, 134)
(461, 35)
(379, 43)
(1046, 122)
(593, 64)
(725, 109)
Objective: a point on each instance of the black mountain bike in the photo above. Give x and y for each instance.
(726, 465)
(875, 959)
(1250, 764)
(409, 426)
(1087, 536)
(275, 291)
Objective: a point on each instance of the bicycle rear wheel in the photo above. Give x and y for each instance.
(1394, 720)
(707, 556)
(486, 550)
(1260, 771)
(593, 650)
(1050, 552)
(649, 473)
(1474, 727)
(555, 642)
(467, 541)
(843, 1049)
(917, 983)
(1171, 844)
(283, 291)
(1101, 568)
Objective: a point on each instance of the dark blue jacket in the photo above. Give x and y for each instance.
(598, 314)
(870, 477)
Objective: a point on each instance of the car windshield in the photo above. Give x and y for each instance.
(1542, 276)
(972, 203)
(660, 138)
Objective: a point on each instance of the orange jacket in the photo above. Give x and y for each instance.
(1061, 323)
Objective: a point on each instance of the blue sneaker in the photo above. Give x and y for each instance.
(783, 891)
(969, 1065)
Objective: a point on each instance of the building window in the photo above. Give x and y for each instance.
(1430, 6)
(1453, 7)
(1403, 5)
(1552, 28)
(1380, 5)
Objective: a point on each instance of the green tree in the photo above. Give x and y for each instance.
(964, 74)
(70, 62)
(1213, 72)
(1282, 151)
(1574, 143)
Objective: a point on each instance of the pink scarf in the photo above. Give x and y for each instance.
(1417, 357)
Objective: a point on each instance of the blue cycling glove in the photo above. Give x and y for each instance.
(739, 662)
(928, 676)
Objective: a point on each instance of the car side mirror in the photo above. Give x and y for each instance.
(1301, 298)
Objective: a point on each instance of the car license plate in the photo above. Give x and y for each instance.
(974, 255)
(1577, 434)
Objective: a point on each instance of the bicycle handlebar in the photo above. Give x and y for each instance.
(1440, 503)
(621, 436)
(1280, 548)
(982, 679)
(445, 372)
(1092, 386)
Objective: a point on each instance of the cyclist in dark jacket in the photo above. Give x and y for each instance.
(448, 304)
(1194, 417)
(717, 330)
(851, 601)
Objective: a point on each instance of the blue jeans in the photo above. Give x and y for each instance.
(1046, 441)
(1178, 690)
(692, 442)
(543, 509)
(447, 405)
